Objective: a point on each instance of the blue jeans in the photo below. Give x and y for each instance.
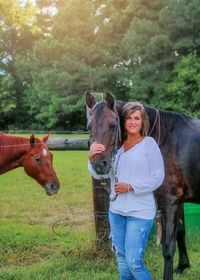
(129, 238)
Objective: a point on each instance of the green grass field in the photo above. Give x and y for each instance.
(31, 250)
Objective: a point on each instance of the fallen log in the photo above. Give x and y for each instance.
(62, 144)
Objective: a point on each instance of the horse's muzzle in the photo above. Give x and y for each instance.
(101, 167)
(51, 188)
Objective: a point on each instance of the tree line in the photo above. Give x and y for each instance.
(53, 51)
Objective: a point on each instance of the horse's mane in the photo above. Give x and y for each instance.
(174, 118)
(7, 139)
(12, 144)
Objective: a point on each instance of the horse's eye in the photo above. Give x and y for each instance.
(112, 126)
(38, 159)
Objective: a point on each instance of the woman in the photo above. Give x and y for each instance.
(138, 170)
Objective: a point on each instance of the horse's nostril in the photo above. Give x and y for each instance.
(100, 167)
(53, 186)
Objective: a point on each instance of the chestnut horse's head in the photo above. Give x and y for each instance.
(104, 126)
(37, 163)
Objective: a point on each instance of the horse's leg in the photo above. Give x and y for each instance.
(169, 222)
(183, 256)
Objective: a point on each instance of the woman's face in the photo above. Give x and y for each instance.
(133, 124)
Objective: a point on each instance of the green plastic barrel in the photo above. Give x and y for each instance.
(192, 216)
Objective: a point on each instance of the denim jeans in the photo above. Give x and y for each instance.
(129, 238)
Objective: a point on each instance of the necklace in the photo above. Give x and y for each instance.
(129, 143)
(133, 139)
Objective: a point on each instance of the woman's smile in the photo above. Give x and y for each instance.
(133, 123)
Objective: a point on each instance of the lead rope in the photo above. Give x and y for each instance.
(114, 151)
(159, 212)
(157, 120)
(158, 218)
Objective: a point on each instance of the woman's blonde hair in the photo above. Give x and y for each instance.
(131, 107)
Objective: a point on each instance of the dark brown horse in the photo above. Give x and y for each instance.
(179, 139)
(33, 155)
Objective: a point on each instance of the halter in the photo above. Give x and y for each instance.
(114, 145)
(157, 120)
(118, 130)
(117, 135)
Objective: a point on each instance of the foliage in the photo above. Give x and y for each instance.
(52, 51)
(184, 90)
(18, 30)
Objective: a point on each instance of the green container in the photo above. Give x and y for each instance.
(192, 216)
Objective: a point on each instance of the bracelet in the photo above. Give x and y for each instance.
(130, 188)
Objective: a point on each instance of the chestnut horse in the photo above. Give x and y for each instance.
(178, 136)
(33, 155)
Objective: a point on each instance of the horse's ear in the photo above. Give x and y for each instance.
(89, 99)
(32, 140)
(45, 138)
(109, 100)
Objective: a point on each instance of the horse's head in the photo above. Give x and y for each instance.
(37, 163)
(103, 123)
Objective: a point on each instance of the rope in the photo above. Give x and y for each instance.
(157, 119)
(63, 219)
(18, 145)
(69, 209)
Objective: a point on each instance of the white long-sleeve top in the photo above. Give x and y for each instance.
(141, 166)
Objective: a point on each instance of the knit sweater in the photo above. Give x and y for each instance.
(141, 166)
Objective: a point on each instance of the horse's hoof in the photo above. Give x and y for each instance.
(180, 268)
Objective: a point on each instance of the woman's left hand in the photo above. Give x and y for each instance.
(121, 188)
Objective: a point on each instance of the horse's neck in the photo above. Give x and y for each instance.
(12, 151)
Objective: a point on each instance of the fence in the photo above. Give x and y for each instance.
(46, 131)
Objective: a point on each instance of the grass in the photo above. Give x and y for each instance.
(73, 135)
(31, 250)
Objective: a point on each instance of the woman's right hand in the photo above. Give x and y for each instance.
(96, 149)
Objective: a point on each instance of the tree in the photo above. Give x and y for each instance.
(160, 34)
(17, 33)
(183, 94)
(53, 53)
(68, 63)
